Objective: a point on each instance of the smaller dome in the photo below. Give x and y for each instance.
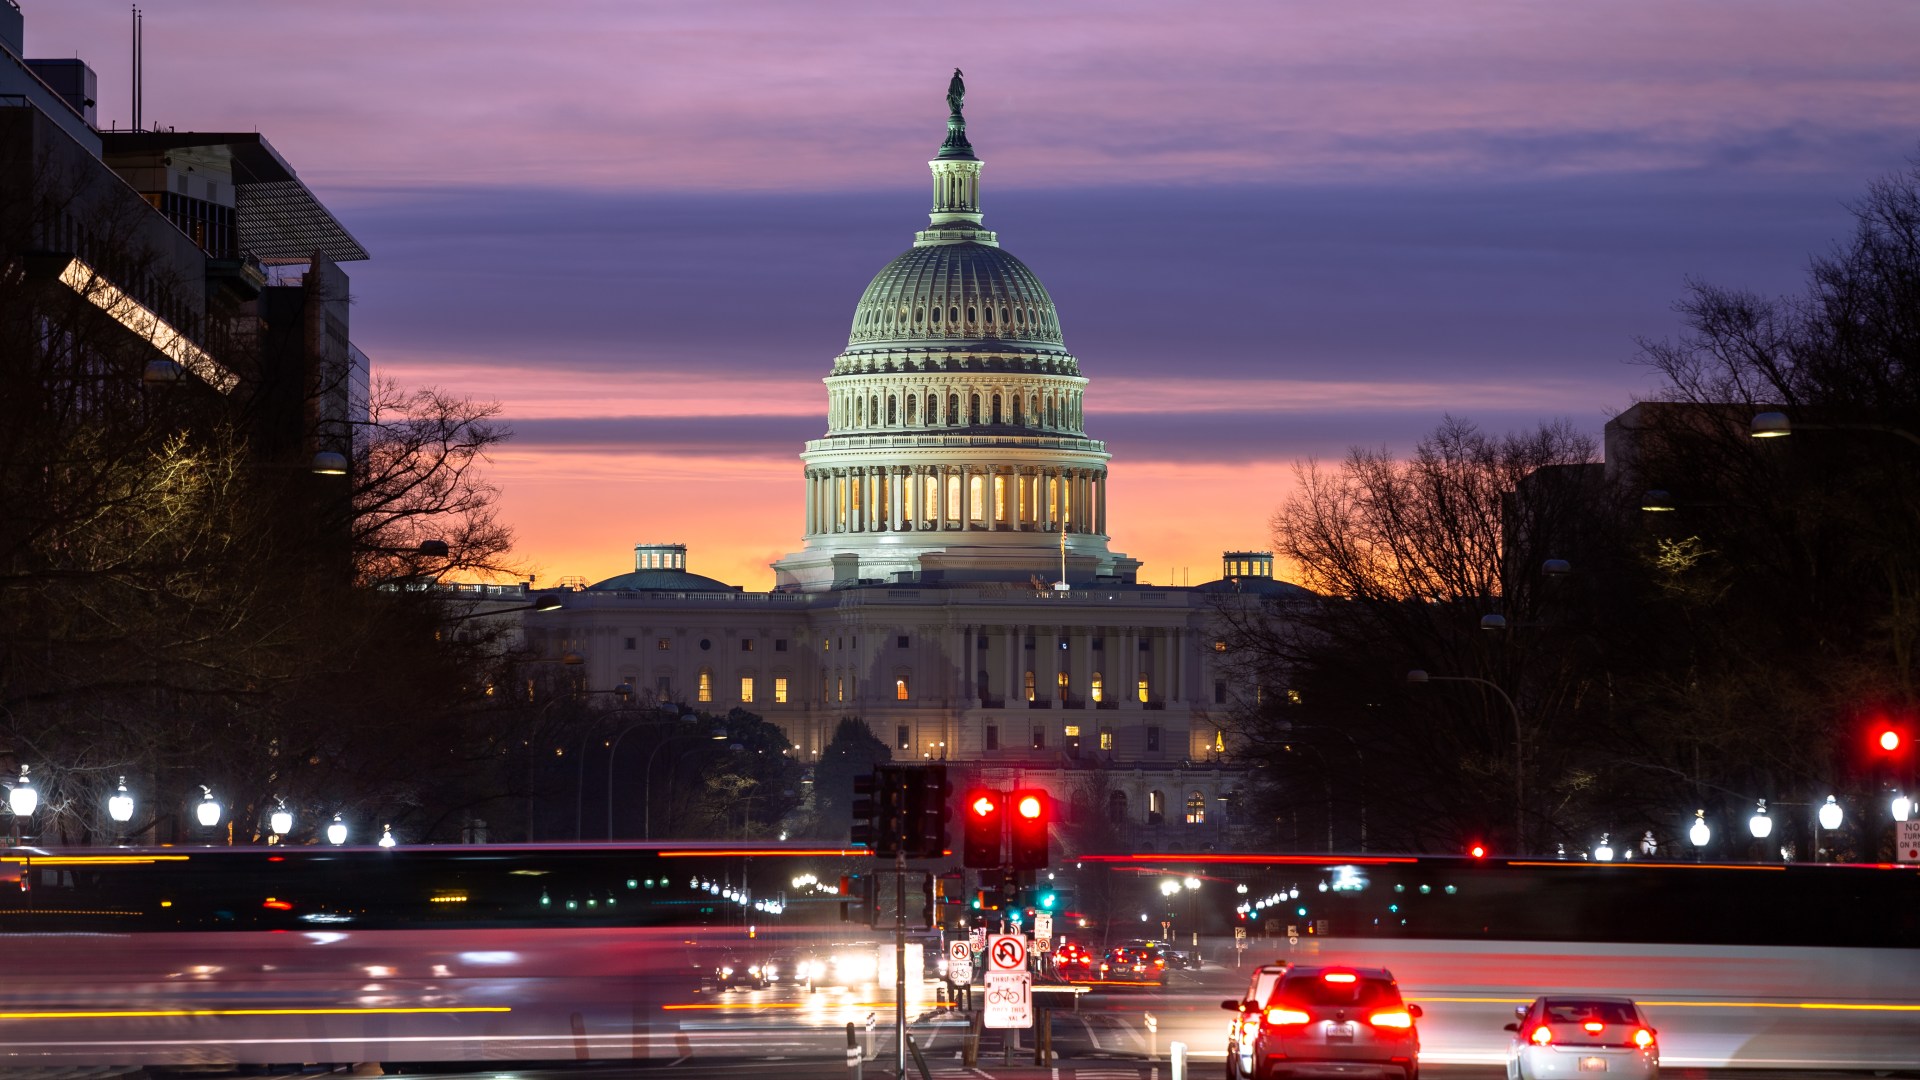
(1257, 586)
(662, 581)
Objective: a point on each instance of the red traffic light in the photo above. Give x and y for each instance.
(983, 805)
(1889, 740)
(1031, 807)
(1478, 851)
(1032, 814)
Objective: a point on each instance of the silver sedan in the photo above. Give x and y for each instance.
(1582, 1038)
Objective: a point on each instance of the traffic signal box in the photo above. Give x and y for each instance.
(983, 815)
(902, 810)
(1032, 816)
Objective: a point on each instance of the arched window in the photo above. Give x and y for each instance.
(1196, 808)
(953, 314)
(1098, 688)
(953, 409)
(1017, 422)
(911, 399)
(1156, 807)
(873, 412)
(706, 684)
(1028, 684)
(989, 314)
(974, 414)
(1117, 807)
(900, 688)
(893, 410)
(936, 315)
(1066, 684)
(996, 408)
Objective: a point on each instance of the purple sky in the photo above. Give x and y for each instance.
(1273, 229)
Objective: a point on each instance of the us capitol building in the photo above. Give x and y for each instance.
(955, 588)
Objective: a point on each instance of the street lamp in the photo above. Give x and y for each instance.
(120, 804)
(208, 812)
(386, 837)
(337, 831)
(23, 800)
(281, 820)
(1830, 814)
(1603, 853)
(1698, 832)
(1760, 824)
(1420, 678)
(1902, 807)
(1775, 425)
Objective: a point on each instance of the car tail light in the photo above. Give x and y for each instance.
(1541, 1036)
(1594, 1027)
(1643, 1038)
(1280, 1016)
(1393, 1018)
(1341, 977)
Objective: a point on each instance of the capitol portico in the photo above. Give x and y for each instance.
(954, 588)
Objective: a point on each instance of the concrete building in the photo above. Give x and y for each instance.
(954, 588)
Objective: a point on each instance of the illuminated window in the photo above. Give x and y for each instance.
(1196, 808)
(1156, 803)
(1293, 697)
(1073, 731)
(1143, 689)
(900, 689)
(1098, 688)
(1106, 738)
(1029, 685)
(903, 738)
(977, 495)
(1064, 685)
(780, 691)
(706, 685)
(840, 688)
(999, 490)
(746, 689)
(663, 644)
(1219, 646)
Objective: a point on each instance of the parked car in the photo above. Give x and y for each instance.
(1582, 1037)
(1324, 1020)
(1246, 1013)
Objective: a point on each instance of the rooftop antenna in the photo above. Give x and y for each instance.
(137, 75)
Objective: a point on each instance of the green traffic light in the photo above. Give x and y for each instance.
(1047, 900)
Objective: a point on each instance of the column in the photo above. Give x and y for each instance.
(940, 497)
(966, 497)
(835, 501)
(895, 519)
(1100, 504)
(1126, 668)
(1016, 667)
(992, 505)
(1057, 665)
(813, 503)
(969, 666)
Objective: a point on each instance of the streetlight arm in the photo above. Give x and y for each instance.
(1417, 677)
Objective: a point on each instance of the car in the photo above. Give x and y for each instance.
(1326, 1020)
(1579, 1037)
(1130, 965)
(735, 973)
(1246, 1009)
(1071, 959)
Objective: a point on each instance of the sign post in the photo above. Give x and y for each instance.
(1009, 986)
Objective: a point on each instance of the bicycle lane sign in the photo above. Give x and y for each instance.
(1009, 1000)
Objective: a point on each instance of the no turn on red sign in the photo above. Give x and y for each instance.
(1006, 952)
(1906, 839)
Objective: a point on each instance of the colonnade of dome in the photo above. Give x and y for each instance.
(880, 404)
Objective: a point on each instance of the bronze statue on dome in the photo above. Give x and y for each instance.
(956, 93)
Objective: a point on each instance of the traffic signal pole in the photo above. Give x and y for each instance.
(900, 964)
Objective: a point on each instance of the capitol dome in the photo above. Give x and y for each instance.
(972, 295)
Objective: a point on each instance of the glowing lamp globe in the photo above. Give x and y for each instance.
(337, 831)
(1698, 832)
(281, 821)
(386, 836)
(1902, 807)
(1830, 814)
(1760, 824)
(208, 812)
(1603, 853)
(23, 800)
(120, 805)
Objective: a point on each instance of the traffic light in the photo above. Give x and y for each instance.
(1032, 813)
(879, 806)
(924, 822)
(1478, 851)
(983, 829)
(857, 899)
(1888, 740)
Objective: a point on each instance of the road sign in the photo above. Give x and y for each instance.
(1906, 837)
(1240, 938)
(1009, 999)
(1006, 952)
(959, 952)
(1042, 932)
(977, 940)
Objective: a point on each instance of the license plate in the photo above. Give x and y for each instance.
(1593, 1064)
(1340, 1032)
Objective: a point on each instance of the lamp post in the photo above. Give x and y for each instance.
(336, 831)
(23, 800)
(208, 812)
(1828, 817)
(281, 820)
(1419, 678)
(1760, 825)
(1699, 833)
(613, 755)
(120, 808)
(646, 820)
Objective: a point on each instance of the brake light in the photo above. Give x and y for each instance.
(1541, 1036)
(1281, 1017)
(1594, 1027)
(1393, 1018)
(1643, 1038)
(1341, 977)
